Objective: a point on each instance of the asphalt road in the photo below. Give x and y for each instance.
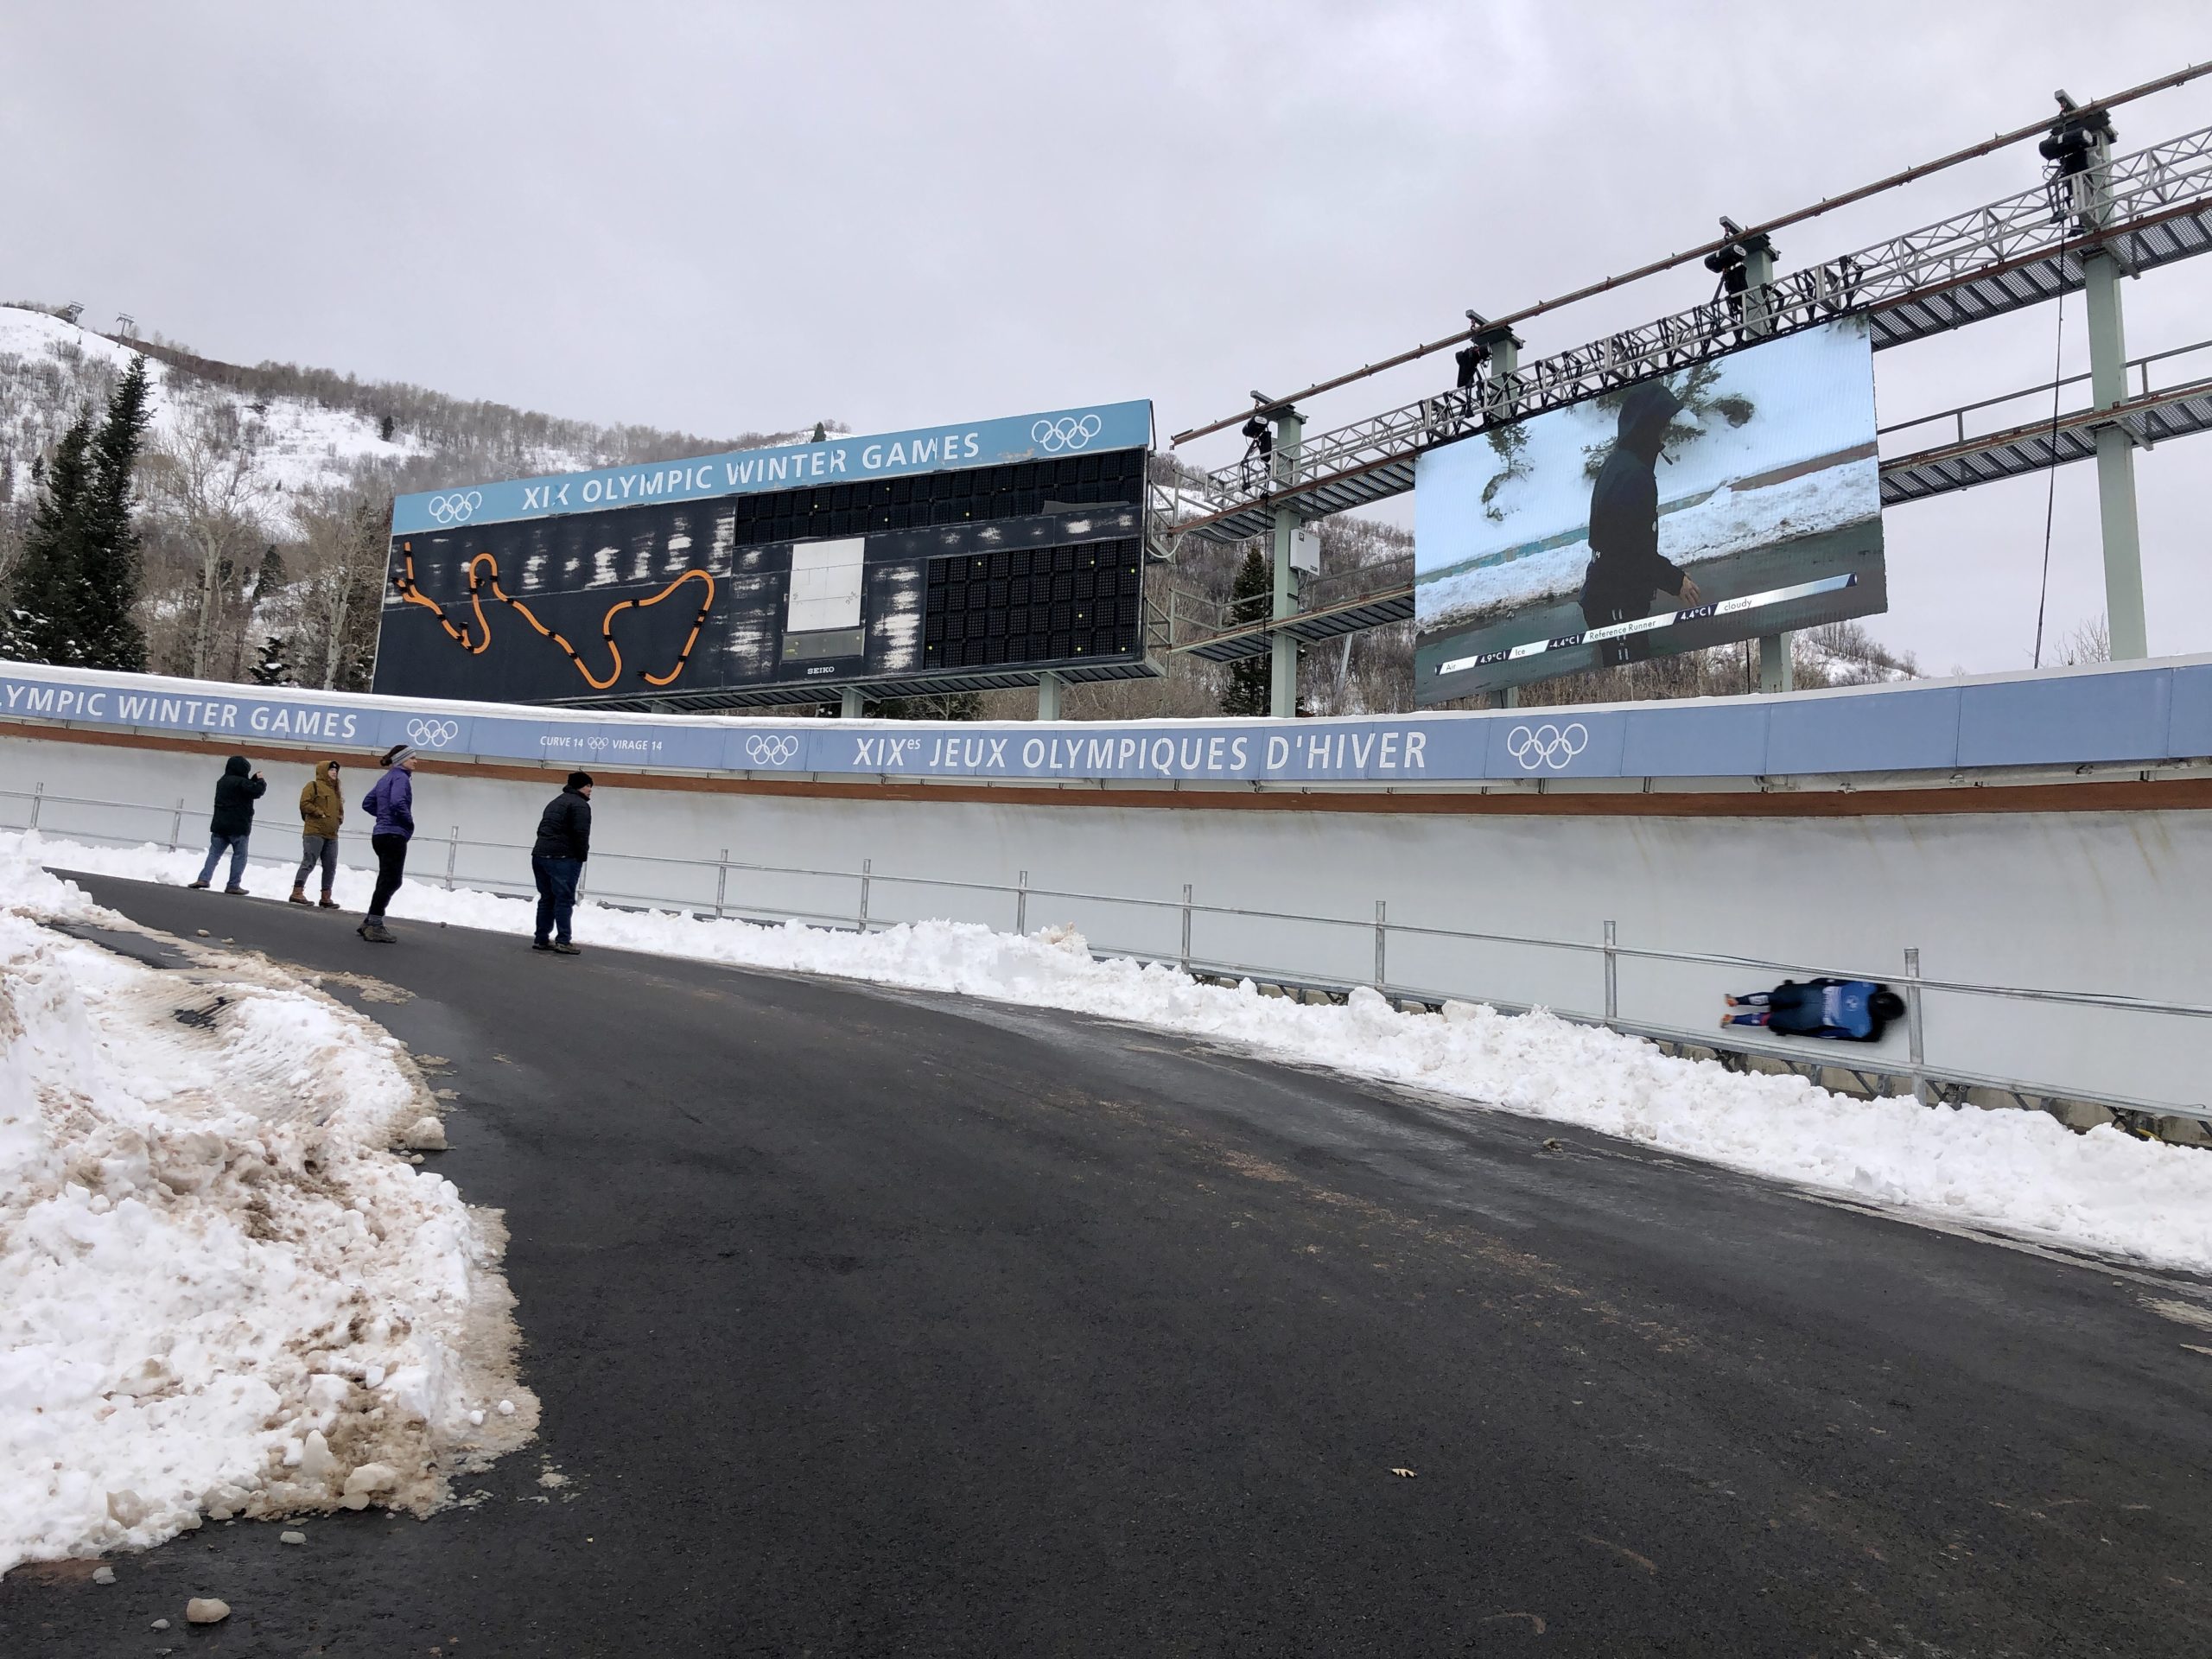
(868, 1322)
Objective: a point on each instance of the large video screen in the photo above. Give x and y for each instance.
(1738, 497)
(971, 555)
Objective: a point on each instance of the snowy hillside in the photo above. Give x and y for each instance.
(49, 369)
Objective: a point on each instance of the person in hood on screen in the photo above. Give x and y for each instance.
(1626, 567)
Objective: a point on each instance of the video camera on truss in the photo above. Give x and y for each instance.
(2080, 139)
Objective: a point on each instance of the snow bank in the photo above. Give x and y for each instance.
(219, 1292)
(2022, 1173)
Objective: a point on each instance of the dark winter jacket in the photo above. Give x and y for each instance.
(235, 793)
(564, 828)
(392, 801)
(1625, 566)
(321, 806)
(1848, 1010)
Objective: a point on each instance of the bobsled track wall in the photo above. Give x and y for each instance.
(2096, 888)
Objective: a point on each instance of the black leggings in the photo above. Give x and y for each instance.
(391, 859)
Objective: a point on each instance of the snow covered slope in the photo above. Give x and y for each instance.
(49, 369)
(220, 1291)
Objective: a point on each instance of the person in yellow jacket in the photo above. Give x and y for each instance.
(321, 804)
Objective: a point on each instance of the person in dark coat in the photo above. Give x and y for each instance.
(391, 801)
(236, 792)
(1626, 567)
(556, 860)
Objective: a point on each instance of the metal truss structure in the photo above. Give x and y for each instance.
(2150, 209)
(2150, 417)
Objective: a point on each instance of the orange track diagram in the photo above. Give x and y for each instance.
(478, 582)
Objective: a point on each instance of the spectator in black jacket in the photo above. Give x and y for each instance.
(556, 859)
(236, 792)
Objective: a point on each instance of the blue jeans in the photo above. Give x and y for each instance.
(556, 894)
(215, 845)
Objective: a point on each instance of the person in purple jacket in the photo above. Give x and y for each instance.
(391, 803)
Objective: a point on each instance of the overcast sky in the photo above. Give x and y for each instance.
(722, 217)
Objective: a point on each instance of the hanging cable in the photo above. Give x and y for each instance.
(2050, 493)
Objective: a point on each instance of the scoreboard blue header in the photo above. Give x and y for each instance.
(1012, 438)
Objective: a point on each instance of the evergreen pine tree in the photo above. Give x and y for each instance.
(274, 667)
(46, 601)
(110, 635)
(1246, 692)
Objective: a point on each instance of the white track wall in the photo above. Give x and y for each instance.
(2103, 902)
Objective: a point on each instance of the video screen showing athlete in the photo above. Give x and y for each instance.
(1626, 567)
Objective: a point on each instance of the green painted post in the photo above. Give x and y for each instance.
(1283, 676)
(2123, 541)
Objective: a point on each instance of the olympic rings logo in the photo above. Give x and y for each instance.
(1547, 744)
(432, 734)
(1066, 433)
(771, 751)
(454, 509)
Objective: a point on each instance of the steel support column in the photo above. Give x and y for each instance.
(1498, 395)
(2123, 543)
(1282, 669)
(849, 703)
(1048, 696)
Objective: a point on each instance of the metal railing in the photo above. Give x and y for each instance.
(2137, 368)
(852, 904)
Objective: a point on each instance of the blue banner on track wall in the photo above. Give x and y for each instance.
(2148, 714)
(839, 461)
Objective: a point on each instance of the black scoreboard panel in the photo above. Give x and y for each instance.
(1041, 605)
(933, 499)
(989, 571)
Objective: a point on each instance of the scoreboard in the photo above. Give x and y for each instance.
(943, 559)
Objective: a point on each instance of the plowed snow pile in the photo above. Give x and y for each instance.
(221, 1291)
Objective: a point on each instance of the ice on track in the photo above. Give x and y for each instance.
(222, 1293)
(2020, 1172)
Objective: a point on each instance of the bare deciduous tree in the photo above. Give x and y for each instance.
(2089, 643)
(206, 472)
(342, 555)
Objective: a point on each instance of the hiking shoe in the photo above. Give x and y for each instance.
(297, 897)
(197, 887)
(564, 949)
(376, 933)
(236, 892)
(326, 903)
(541, 945)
